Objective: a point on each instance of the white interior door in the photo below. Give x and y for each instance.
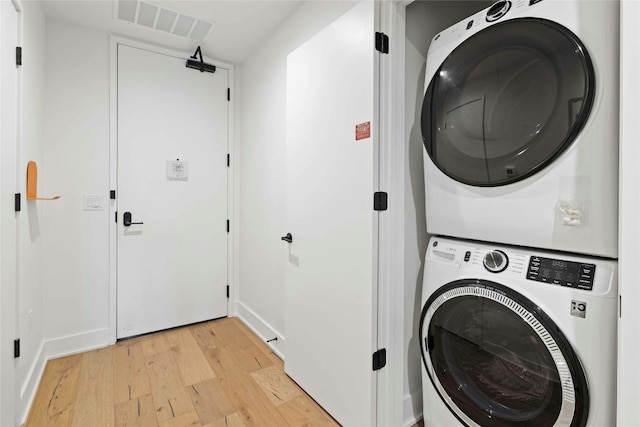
(172, 178)
(8, 216)
(329, 292)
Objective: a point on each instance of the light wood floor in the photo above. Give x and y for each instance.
(214, 374)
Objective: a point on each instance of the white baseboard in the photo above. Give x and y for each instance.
(262, 329)
(410, 414)
(52, 349)
(72, 344)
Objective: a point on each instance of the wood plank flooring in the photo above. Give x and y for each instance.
(213, 374)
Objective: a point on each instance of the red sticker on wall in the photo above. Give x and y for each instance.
(363, 131)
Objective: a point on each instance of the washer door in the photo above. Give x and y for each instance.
(496, 359)
(507, 101)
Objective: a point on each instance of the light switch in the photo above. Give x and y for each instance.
(93, 202)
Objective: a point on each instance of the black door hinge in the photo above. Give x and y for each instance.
(380, 201)
(228, 226)
(18, 56)
(116, 219)
(228, 160)
(382, 42)
(227, 291)
(228, 94)
(379, 359)
(16, 348)
(112, 194)
(17, 202)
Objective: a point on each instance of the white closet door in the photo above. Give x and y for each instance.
(329, 293)
(172, 179)
(8, 217)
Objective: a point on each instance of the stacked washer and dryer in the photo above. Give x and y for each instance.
(520, 128)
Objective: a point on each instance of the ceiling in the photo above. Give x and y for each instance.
(240, 25)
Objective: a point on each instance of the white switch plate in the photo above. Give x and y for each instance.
(93, 202)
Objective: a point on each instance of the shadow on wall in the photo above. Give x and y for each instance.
(34, 221)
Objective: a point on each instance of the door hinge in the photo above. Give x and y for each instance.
(227, 291)
(382, 42)
(228, 226)
(16, 348)
(380, 201)
(116, 217)
(620, 307)
(379, 359)
(18, 56)
(228, 94)
(228, 160)
(112, 194)
(17, 202)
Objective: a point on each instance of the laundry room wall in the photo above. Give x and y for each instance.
(424, 19)
(262, 152)
(30, 326)
(75, 162)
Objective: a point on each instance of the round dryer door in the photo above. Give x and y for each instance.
(496, 359)
(507, 102)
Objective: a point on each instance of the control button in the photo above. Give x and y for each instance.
(498, 10)
(467, 256)
(495, 261)
(470, 24)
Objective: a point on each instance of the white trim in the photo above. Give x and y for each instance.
(77, 343)
(628, 410)
(113, 171)
(262, 329)
(391, 223)
(410, 416)
(31, 383)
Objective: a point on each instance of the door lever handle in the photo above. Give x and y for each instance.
(126, 220)
(288, 238)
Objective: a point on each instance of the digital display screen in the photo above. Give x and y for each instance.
(560, 272)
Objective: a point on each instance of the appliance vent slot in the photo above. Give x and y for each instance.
(162, 19)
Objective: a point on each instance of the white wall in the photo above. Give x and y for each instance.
(424, 19)
(75, 161)
(262, 176)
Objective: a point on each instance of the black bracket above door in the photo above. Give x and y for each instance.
(200, 65)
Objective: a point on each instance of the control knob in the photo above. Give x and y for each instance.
(498, 10)
(495, 261)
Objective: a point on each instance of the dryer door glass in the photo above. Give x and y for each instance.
(507, 102)
(496, 360)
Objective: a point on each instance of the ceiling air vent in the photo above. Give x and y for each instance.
(162, 19)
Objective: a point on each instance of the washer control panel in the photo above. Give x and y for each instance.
(559, 272)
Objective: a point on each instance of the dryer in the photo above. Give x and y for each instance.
(513, 337)
(520, 126)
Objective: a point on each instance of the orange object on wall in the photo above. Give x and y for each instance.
(32, 183)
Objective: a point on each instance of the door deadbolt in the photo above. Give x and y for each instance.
(126, 220)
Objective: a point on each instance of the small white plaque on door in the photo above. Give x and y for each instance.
(177, 170)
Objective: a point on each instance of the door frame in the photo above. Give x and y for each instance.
(232, 209)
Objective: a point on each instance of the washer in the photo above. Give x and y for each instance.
(520, 126)
(511, 337)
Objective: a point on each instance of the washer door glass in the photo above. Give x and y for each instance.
(507, 101)
(497, 360)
